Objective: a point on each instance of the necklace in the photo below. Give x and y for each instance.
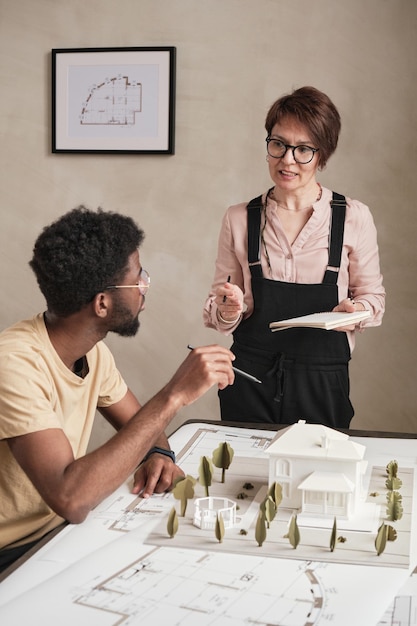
(271, 194)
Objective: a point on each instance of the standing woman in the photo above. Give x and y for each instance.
(297, 249)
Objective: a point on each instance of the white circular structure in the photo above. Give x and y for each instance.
(207, 509)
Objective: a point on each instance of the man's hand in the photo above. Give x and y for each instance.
(72, 487)
(156, 475)
(204, 367)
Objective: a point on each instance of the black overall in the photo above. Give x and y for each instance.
(304, 371)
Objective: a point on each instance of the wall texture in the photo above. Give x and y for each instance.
(234, 58)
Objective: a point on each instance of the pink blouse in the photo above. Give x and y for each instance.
(304, 261)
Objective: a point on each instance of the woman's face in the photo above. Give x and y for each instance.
(287, 174)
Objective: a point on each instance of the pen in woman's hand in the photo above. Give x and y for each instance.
(228, 280)
(238, 371)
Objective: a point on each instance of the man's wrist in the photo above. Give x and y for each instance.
(158, 450)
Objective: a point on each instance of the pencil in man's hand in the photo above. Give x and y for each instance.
(238, 371)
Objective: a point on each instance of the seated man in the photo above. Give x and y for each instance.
(55, 372)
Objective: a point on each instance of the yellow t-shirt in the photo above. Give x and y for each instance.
(37, 392)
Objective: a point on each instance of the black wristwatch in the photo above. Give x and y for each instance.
(159, 450)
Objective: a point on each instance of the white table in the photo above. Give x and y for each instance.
(119, 567)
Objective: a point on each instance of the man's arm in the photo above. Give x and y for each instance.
(158, 472)
(120, 413)
(72, 487)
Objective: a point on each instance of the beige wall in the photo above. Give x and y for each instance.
(234, 57)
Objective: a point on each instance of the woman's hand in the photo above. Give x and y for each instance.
(348, 305)
(229, 300)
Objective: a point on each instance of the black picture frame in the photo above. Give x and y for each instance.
(113, 100)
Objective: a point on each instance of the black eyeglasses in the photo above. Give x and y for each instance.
(277, 149)
(143, 284)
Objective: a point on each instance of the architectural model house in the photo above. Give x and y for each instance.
(320, 470)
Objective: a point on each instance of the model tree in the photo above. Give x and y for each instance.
(275, 492)
(172, 524)
(293, 532)
(394, 510)
(394, 506)
(269, 506)
(219, 528)
(184, 490)
(222, 457)
(268, 509)
(333, 536)
(393, 482)
(260, 529)
(394, 498)
(381, 538)
(205, 473)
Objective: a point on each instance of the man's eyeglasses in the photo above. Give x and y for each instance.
(277, 149)
(143, 284)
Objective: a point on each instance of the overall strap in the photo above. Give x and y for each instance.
(338, 205)
(254, 209)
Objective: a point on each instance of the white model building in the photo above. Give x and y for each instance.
(320, 470)
(207, 509)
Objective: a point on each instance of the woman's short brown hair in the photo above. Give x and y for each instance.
(316, 111)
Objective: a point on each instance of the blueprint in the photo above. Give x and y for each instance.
(403, 610)
(126, 584)
(115, 101)
(120, 568)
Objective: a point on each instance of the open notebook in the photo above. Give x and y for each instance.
(326, 320)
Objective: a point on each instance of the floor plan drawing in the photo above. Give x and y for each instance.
(114, 102)
(129, 584)
(127, 570)
(403, 610)
(215, 594)
(123, 512)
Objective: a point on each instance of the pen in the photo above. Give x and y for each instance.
(238, 371)
(228, 280)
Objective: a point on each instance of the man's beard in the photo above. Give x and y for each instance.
(123, 322)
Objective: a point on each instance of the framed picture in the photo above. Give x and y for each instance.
(113, 100)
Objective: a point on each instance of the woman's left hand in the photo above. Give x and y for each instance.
(348, 306)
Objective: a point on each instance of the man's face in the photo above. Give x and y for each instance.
(124, 323)
(128, 302)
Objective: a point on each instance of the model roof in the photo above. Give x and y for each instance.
(315, 441)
